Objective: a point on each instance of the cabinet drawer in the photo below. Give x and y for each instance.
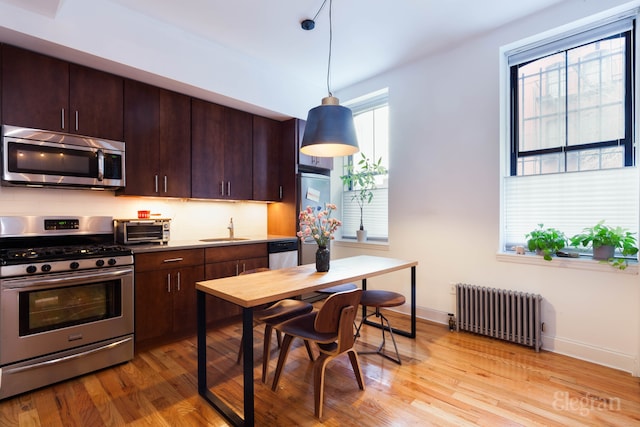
(169, 259)
(234, 253)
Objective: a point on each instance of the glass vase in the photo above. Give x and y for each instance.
(322, 259)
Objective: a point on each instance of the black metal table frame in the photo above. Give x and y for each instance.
(247, 366)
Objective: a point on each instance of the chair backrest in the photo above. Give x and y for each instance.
(329, 316)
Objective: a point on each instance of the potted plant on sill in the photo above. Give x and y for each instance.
(361, 179)
(546, 241)
(604, 240)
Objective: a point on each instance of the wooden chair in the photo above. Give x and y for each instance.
(272, 315)
(331, 328)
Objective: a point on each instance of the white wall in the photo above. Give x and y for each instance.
(190, 219)
(444, 199)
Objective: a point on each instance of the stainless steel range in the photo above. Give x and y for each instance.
(66, 300)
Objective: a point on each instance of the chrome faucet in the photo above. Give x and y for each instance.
(230, 227)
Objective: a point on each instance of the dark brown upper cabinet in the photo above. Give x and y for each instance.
(47, 93)
(221, 152)
(157, 130)
(267, 157)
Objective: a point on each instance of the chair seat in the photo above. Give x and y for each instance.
(378, 298)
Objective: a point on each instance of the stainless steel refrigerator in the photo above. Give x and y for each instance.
(315, 190)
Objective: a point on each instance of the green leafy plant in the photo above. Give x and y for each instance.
(548, 241)
(604, 235)
(361, 179)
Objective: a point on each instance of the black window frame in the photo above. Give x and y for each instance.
(626, 142)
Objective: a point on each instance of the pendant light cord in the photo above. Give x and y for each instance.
(330, 43)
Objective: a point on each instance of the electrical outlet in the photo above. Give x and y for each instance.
(452, 288)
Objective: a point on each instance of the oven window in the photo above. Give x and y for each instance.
(46, 310)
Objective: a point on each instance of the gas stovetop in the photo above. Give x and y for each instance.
(59, 253)
(43, 245)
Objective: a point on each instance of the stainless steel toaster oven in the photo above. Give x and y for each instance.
(133, 231)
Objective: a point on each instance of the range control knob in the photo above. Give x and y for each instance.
(74, 265)
(46, 268)
(112, 261)
(100, 262)
(31, 269)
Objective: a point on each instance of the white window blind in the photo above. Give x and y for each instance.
(374, 217)
(570, 202)
(371, 120)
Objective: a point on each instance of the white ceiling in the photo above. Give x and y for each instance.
(262, 38)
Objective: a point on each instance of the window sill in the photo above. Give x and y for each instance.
(581, 263)
(369, 244)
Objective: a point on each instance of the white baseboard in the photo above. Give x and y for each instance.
(577, 350)
(591, 353)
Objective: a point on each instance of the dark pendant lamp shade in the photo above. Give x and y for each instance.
(329, 131)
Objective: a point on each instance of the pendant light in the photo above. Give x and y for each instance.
(329, 131)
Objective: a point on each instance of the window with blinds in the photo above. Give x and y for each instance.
(371, 119)
(571, 147)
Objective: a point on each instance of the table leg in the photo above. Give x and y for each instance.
(203, 388)
(247, 368)
(412, 332)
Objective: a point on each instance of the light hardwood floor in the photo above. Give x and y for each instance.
(446, 379)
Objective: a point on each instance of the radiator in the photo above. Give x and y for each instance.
(498, 313)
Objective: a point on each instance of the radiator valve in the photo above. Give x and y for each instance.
(452, 322)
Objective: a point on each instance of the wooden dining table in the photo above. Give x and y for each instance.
(253, 290)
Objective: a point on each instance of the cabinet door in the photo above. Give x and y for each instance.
(141, 135)
(153, 305)
(184, 298)
(207, 150)
(266, 159)
(282, 217)
(238, 155)
(95, 103)
(219, 310)
(253, 263)
(35, 90)
(175, 144)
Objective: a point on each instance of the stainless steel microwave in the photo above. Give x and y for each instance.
(37, 158)
(132, 231)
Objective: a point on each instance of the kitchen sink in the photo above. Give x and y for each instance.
(224, 239)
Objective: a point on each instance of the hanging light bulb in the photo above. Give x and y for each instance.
(329, 131)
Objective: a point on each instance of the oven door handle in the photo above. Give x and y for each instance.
(66, 358)
(27, 283)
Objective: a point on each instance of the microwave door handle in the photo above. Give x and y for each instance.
(100, 165)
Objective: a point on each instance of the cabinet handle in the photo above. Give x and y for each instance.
(173, 259)
(165, 183)
(76, 120)
(169, 283)
(280, 192)
(155, 180)
(228, 188)
(178, 281)
(222, 188)
(237, 269)
(62, 118)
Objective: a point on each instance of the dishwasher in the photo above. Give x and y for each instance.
(283, 253)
